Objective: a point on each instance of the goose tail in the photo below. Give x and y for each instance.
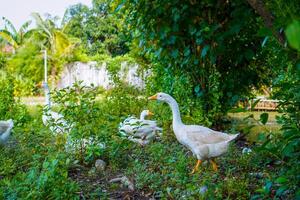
(233, 137)
(11, 123)
(158, 129)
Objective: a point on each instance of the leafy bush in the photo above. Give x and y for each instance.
(199, 49)
(9, 106)
(100, 31)
(2, 60)
(78, 106)
(48, 180)
(285, 147)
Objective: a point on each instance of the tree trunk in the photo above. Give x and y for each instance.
(260, 8)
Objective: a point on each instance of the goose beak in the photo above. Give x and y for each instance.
(154, 97)
(150, 113)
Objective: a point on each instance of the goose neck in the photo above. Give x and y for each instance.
(176, 113)
(142, 116)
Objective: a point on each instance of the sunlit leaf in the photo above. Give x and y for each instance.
(264, 118)
(264, 41)
(204, 51)
(293, 34)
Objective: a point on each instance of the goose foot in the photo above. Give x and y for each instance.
(214, 165)
(196, 168)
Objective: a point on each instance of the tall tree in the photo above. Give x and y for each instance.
(59, 44)
(100, 31)
(12, 36)
(211, 46)
(54, 38)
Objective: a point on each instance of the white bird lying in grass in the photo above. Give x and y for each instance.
(5, 130)
(54, 120)
(139, 130)
(205, 143)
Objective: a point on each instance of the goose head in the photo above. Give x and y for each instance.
(172, 103)
(145, 113)
(162, 97)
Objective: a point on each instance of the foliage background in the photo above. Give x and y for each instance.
(207, 54)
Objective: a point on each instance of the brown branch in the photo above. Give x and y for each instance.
(260, 8)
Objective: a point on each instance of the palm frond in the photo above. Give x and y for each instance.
(8, 37)
(25, 26)
(41, 24)
(61, 42)
(9, 26)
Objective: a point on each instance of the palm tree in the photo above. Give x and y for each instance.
(55, 40)
(13, 37)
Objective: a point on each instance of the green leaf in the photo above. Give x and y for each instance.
(268, 186)
(204, 51)
(172, 39)
(197, 89)
(199, 41)
(249, 54)
(254, 104)
(264, 32)
(235, 29)
(264, 41)
(251, 116)
(174, 53)
(281, 190)
(158, 52)
(292, 33)
(192, 30)
(206, 29)
(288, 150)
(119, 6)
(186, 51)
(264, 118)
(281, 180)
(237, 110)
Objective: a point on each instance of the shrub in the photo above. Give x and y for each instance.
(48, 180)
(79, 107)
(9, 106)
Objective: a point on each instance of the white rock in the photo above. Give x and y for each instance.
(125, 181)
(246, 150)
(100, 165)
(203, 189)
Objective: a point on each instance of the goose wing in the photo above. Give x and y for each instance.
(6, 126)
(204, 135)
(146, 128)
(128, 126)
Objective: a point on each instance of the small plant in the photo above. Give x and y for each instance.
(48, 180)
(9, 106)
(79, 107)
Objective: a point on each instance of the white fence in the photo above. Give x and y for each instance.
(97, 74)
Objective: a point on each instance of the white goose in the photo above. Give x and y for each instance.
(139, 130)
(5, 130)
(57, 122)
(205, 143)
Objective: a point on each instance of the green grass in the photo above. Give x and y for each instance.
(160, 169)
(256, 114)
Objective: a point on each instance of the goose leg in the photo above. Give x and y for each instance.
(214, 165)
(196, 167)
